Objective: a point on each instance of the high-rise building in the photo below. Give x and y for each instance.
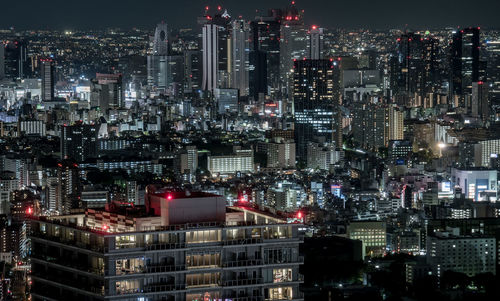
(316, 104)
(257, 74)
(68, 177)
(157, 62)
(193, 70)
(375, 125)
(281, 154)
(316, 43)
(210, 56)
(410, 59)
(15, 59)
(466, 66)
(160, 42)
(240, 56)
(107, 91)
(293, 46)
(48, 77)
(265, 37)
(79, 141)
(180, 246)
(480, 102)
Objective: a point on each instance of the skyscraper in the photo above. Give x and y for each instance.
(315, 43)
(257, 74)
(160, 42)
(47, 72)
(241, 58)
(466, 66)
(69, 187)
(410, 69)
(210, 56)
(107, 91)
(15, 59)
(293, 46)
(193, 70)
(480, 104)
(265, 37)
(315, 103)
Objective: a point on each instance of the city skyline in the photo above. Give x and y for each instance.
(58, 14)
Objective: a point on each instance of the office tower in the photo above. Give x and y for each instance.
(160, 42)
(15, 59)
(175, 75)
(265, 37)
(493, 65)
(107, 91)
(216, 42)
(157, 62)
(315, 43)
(241, 56)
(194, 68)
(146, 256)
(480, 102)
(257, 74)
(68, 177)
(315, 102)
(465, 64)
(79, 141)
(47, 73)
(410, 68)
(210, 56)
(293, 46)
(430, 64)
(372, 234)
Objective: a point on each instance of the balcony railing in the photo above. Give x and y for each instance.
(243, 241)
(248, 298)
(165, 246)
(157, 288)
(242, 263)
(165, 268)
(68, 263)
(240, 282)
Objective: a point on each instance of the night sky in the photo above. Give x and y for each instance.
(95, 14)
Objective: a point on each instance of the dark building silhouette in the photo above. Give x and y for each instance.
(79, 141)
(465, 64)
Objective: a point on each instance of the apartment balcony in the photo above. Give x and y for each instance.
(243, 282)
(63, 263)
(161, 287)
(245, 298)
(165, 268)
(165, 246)
(242, 263)
(243, 241)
